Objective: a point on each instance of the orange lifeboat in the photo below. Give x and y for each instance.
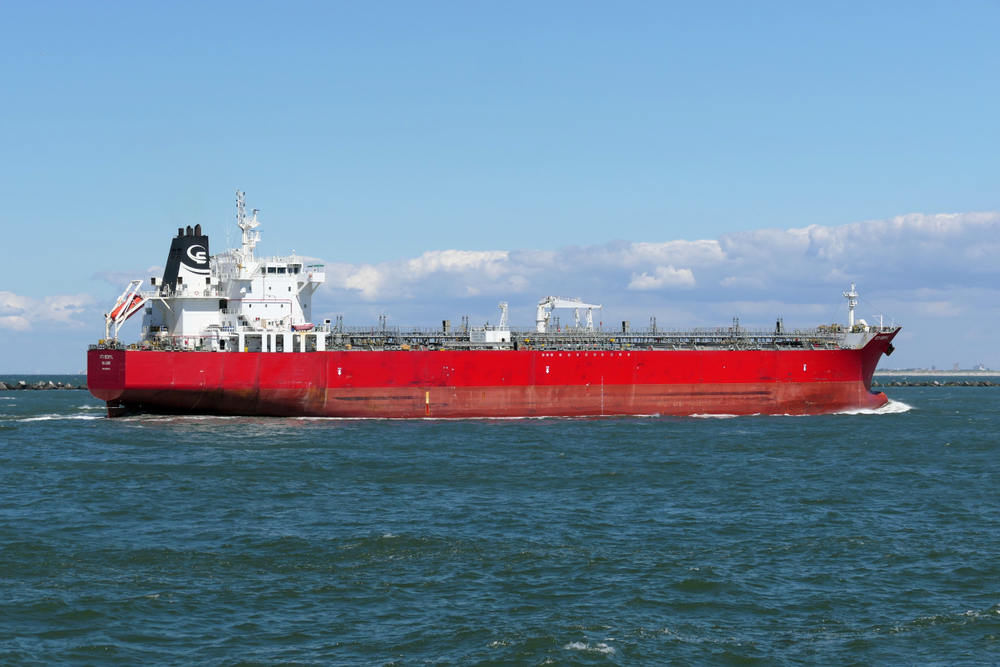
(128, 305)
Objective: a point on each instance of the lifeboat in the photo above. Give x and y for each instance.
(128, 305)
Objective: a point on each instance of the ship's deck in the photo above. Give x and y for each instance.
(411, 338)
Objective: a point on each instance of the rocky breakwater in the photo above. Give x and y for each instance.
(935, 383)
(21, 385)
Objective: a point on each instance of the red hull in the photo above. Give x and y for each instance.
(489, 383)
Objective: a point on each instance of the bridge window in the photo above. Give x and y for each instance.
(272, 269)
(281, 269)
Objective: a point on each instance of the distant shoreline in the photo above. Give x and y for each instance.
(937, 373)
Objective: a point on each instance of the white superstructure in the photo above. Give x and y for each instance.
(233, 301)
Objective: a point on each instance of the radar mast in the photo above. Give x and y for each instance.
(250, 237)
(852, 301)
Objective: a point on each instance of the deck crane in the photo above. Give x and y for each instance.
(545, 304)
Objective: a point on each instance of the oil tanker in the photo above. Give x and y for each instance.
(234, 334)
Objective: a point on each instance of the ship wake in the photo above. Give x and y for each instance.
(890, 408)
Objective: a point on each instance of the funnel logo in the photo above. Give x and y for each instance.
(197, 254)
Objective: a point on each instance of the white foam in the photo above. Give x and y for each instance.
(446, 419)
(599, 647)
(890, 408)
(45, 418)
(171, 418)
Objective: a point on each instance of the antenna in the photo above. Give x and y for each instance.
(250, 237)
(228, 228)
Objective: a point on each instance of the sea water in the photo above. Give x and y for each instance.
(852, 539)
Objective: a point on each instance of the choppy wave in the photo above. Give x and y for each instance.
(268, 540)
(598, 647)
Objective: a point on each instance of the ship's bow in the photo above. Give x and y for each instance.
(871, 354)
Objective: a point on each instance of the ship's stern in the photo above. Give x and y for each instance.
(106, 377)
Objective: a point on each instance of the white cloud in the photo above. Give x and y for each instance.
(21, 313)
(664, 276)
(473, 269)
(910, 248)
(913, 249)
(921, 269)
(458, 261)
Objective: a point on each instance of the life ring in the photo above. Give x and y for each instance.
(196, 292)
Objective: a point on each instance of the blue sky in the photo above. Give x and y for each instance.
(370, 133)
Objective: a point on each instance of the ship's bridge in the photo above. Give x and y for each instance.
(226, 294)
